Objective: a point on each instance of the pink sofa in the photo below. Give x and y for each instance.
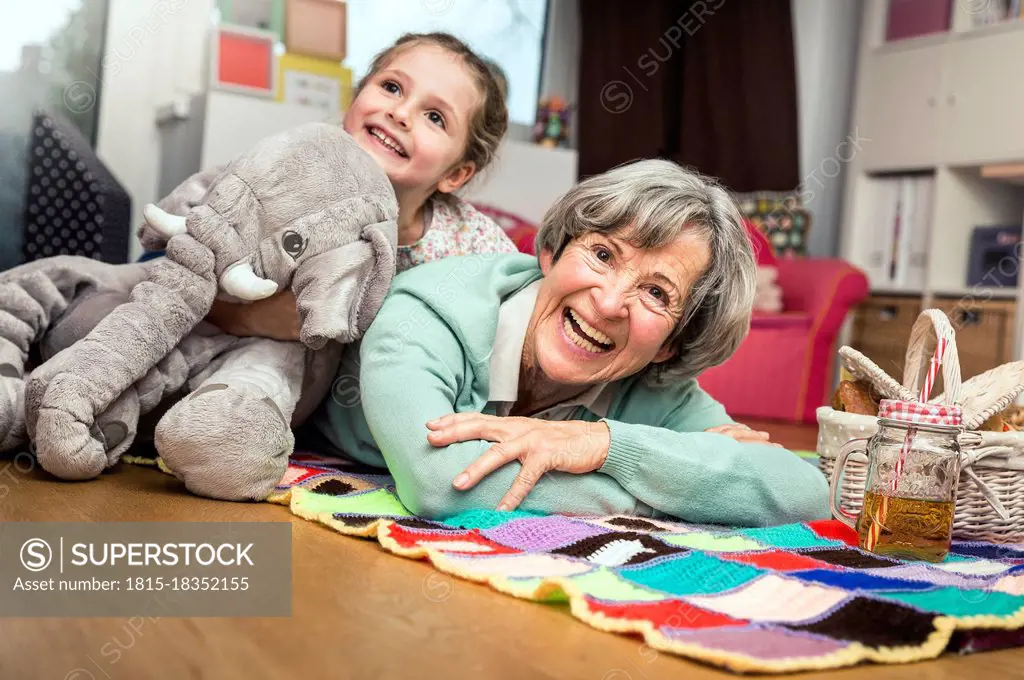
(783, 370)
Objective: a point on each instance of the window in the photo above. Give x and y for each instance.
(509, 32)
(49, 58)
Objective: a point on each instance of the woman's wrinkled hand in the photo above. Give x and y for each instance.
(276, 317)
(742, 433)
(573, 446)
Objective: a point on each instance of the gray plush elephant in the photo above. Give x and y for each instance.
(305, 209)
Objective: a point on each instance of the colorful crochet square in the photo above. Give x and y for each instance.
(770, 600)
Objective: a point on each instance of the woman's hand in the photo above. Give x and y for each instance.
(276, 317)
(573, 446)
(742, 433)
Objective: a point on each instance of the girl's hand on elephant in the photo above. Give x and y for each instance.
(276, 317)
(573, 446)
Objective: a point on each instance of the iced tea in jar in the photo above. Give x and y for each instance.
(912, 479)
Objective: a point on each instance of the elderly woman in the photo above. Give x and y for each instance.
(566, 383)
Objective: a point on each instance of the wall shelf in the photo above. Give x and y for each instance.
(1006, 26)
(891, 291)
(960, 29)
(939, 105)
(1012, 173)
(977, 293)
(913, 43)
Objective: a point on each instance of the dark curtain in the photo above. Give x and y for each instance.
(623, 101)
(705, 83)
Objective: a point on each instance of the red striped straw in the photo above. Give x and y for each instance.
(875, 529)
(926, 390)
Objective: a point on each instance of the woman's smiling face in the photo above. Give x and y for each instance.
(606, 308)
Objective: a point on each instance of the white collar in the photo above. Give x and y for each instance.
(507, 353)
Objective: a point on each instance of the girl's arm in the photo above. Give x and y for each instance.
(276, 317)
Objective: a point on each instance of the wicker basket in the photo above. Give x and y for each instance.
(990, 496)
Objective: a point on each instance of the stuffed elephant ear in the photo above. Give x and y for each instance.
(340, 291)
(185, 196)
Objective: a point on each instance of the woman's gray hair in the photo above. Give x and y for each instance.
(651, 203)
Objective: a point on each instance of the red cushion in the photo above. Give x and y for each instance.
(524, 238)
(762, 249)
(797, 320)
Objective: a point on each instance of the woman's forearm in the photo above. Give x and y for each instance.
(709, 477)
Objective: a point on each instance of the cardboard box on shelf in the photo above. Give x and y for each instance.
(316, 28)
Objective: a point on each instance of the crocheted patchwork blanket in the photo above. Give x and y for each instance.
(768, 600)
(777, 599)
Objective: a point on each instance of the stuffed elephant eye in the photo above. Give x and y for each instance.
(293, 243)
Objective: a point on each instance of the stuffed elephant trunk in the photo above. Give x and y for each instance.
(339, 292)
(88, 377)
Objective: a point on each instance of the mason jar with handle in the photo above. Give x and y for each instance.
(911, 486)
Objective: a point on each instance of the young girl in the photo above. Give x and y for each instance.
(432, 113)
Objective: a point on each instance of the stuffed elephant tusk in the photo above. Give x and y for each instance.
(239, 280)
(166, 224)
(186, 196)
(242, 282)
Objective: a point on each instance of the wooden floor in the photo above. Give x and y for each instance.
(802, 437)
(357, 612)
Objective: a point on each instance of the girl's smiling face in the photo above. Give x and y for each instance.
(413, 117)
(607, 308)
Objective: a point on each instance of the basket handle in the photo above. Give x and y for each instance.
(931, 325)
(972, 450)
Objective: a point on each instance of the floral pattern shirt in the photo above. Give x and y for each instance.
(454, 228)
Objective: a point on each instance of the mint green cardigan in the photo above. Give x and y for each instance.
(426, 355)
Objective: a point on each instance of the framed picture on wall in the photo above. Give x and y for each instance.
(242, 60)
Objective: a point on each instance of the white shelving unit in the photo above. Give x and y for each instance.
(948, 105)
